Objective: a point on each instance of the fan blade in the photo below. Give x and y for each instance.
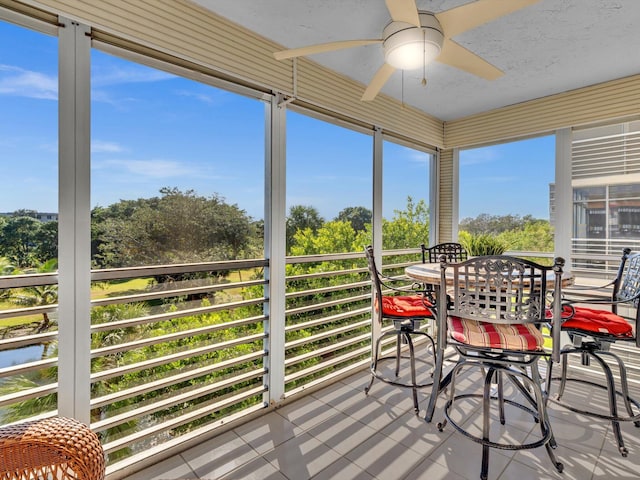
(457, 56)
(403, 11)
(472, 15)
(322, 47)
(377, 82)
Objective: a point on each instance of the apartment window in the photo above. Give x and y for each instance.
(329, 178)
(405, 196)
(28, 245)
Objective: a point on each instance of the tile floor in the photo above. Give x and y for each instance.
(341, 433)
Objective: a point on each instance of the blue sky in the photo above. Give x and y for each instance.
(151, 129)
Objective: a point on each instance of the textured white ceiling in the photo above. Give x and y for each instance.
(550, 47)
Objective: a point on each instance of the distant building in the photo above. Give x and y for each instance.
(42, 216)
(605, 176)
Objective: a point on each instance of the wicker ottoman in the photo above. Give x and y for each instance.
(58, 448)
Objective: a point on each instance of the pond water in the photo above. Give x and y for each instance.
(20, 355)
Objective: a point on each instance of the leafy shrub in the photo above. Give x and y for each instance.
(482, 244)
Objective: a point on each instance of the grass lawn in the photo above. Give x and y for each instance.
(98, 290)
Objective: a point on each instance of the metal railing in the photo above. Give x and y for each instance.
(181, 350)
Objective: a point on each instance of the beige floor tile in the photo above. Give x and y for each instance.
(219, 456)
(173, 468)
(342, 433)
(302, 457)
(384, 458)
(267, 432)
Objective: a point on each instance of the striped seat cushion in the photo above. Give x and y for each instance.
(599, 321)
(405, 306)
(516, 337)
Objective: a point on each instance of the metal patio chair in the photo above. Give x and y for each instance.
(406, 306)
(496, 309)
(592, 332)
(454, 252)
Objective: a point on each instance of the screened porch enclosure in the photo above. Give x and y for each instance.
(177, 299)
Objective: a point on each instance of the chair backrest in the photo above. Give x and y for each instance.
(497, 289)
(454, 252)
(627, 284)
(375, 276)
(503, 289)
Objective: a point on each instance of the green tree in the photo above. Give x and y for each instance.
(407, 228)
(300, 218)
(534, 236)
(39, 295)
(359, 217)
(177, 227)
(494, 224)
(332, 237)
(19, 240)
(47, 241)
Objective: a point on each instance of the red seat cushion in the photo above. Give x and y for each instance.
(517, 337)
(405, 306)
(598, 321)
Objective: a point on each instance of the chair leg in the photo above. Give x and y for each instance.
(624, 385)
(437, 386)
(545, 424)
(486, 405)
(398, 346)
(613, 403)
(374, 364)
(412, 361)
(501, 397)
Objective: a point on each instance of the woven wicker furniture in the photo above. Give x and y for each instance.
(59, 448)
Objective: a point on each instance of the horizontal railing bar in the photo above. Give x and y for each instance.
(323, 257)
(123, 347)
(28, 394)
(156, 362)
(333, 288)
(327, 379)
(326, 320)
(28, 367)
(26, 340)
(173, 379)
(325, 334)
(330, 348)
(100, 327)
(141, 297)
(155, 270)
(173, 400)
(324, 365)
(332, 273)
(24, 311)
(183, 418)
(28, 280)
(332, 303)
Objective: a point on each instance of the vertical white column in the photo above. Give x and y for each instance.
(455, 195)
(563, 225)
(275, 245)
(74, 235)
(376, 226)
(434, 198)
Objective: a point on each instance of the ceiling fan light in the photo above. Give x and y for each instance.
(410, 53)
(408, 47)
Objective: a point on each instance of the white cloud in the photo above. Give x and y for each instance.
(19, 82)
(154, 168)
(479, 156)
(208, 99)
(102, 76)
(99, 146)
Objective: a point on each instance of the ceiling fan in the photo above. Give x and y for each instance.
(414, 38)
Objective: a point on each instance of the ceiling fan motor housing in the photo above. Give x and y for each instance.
(408, 47)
